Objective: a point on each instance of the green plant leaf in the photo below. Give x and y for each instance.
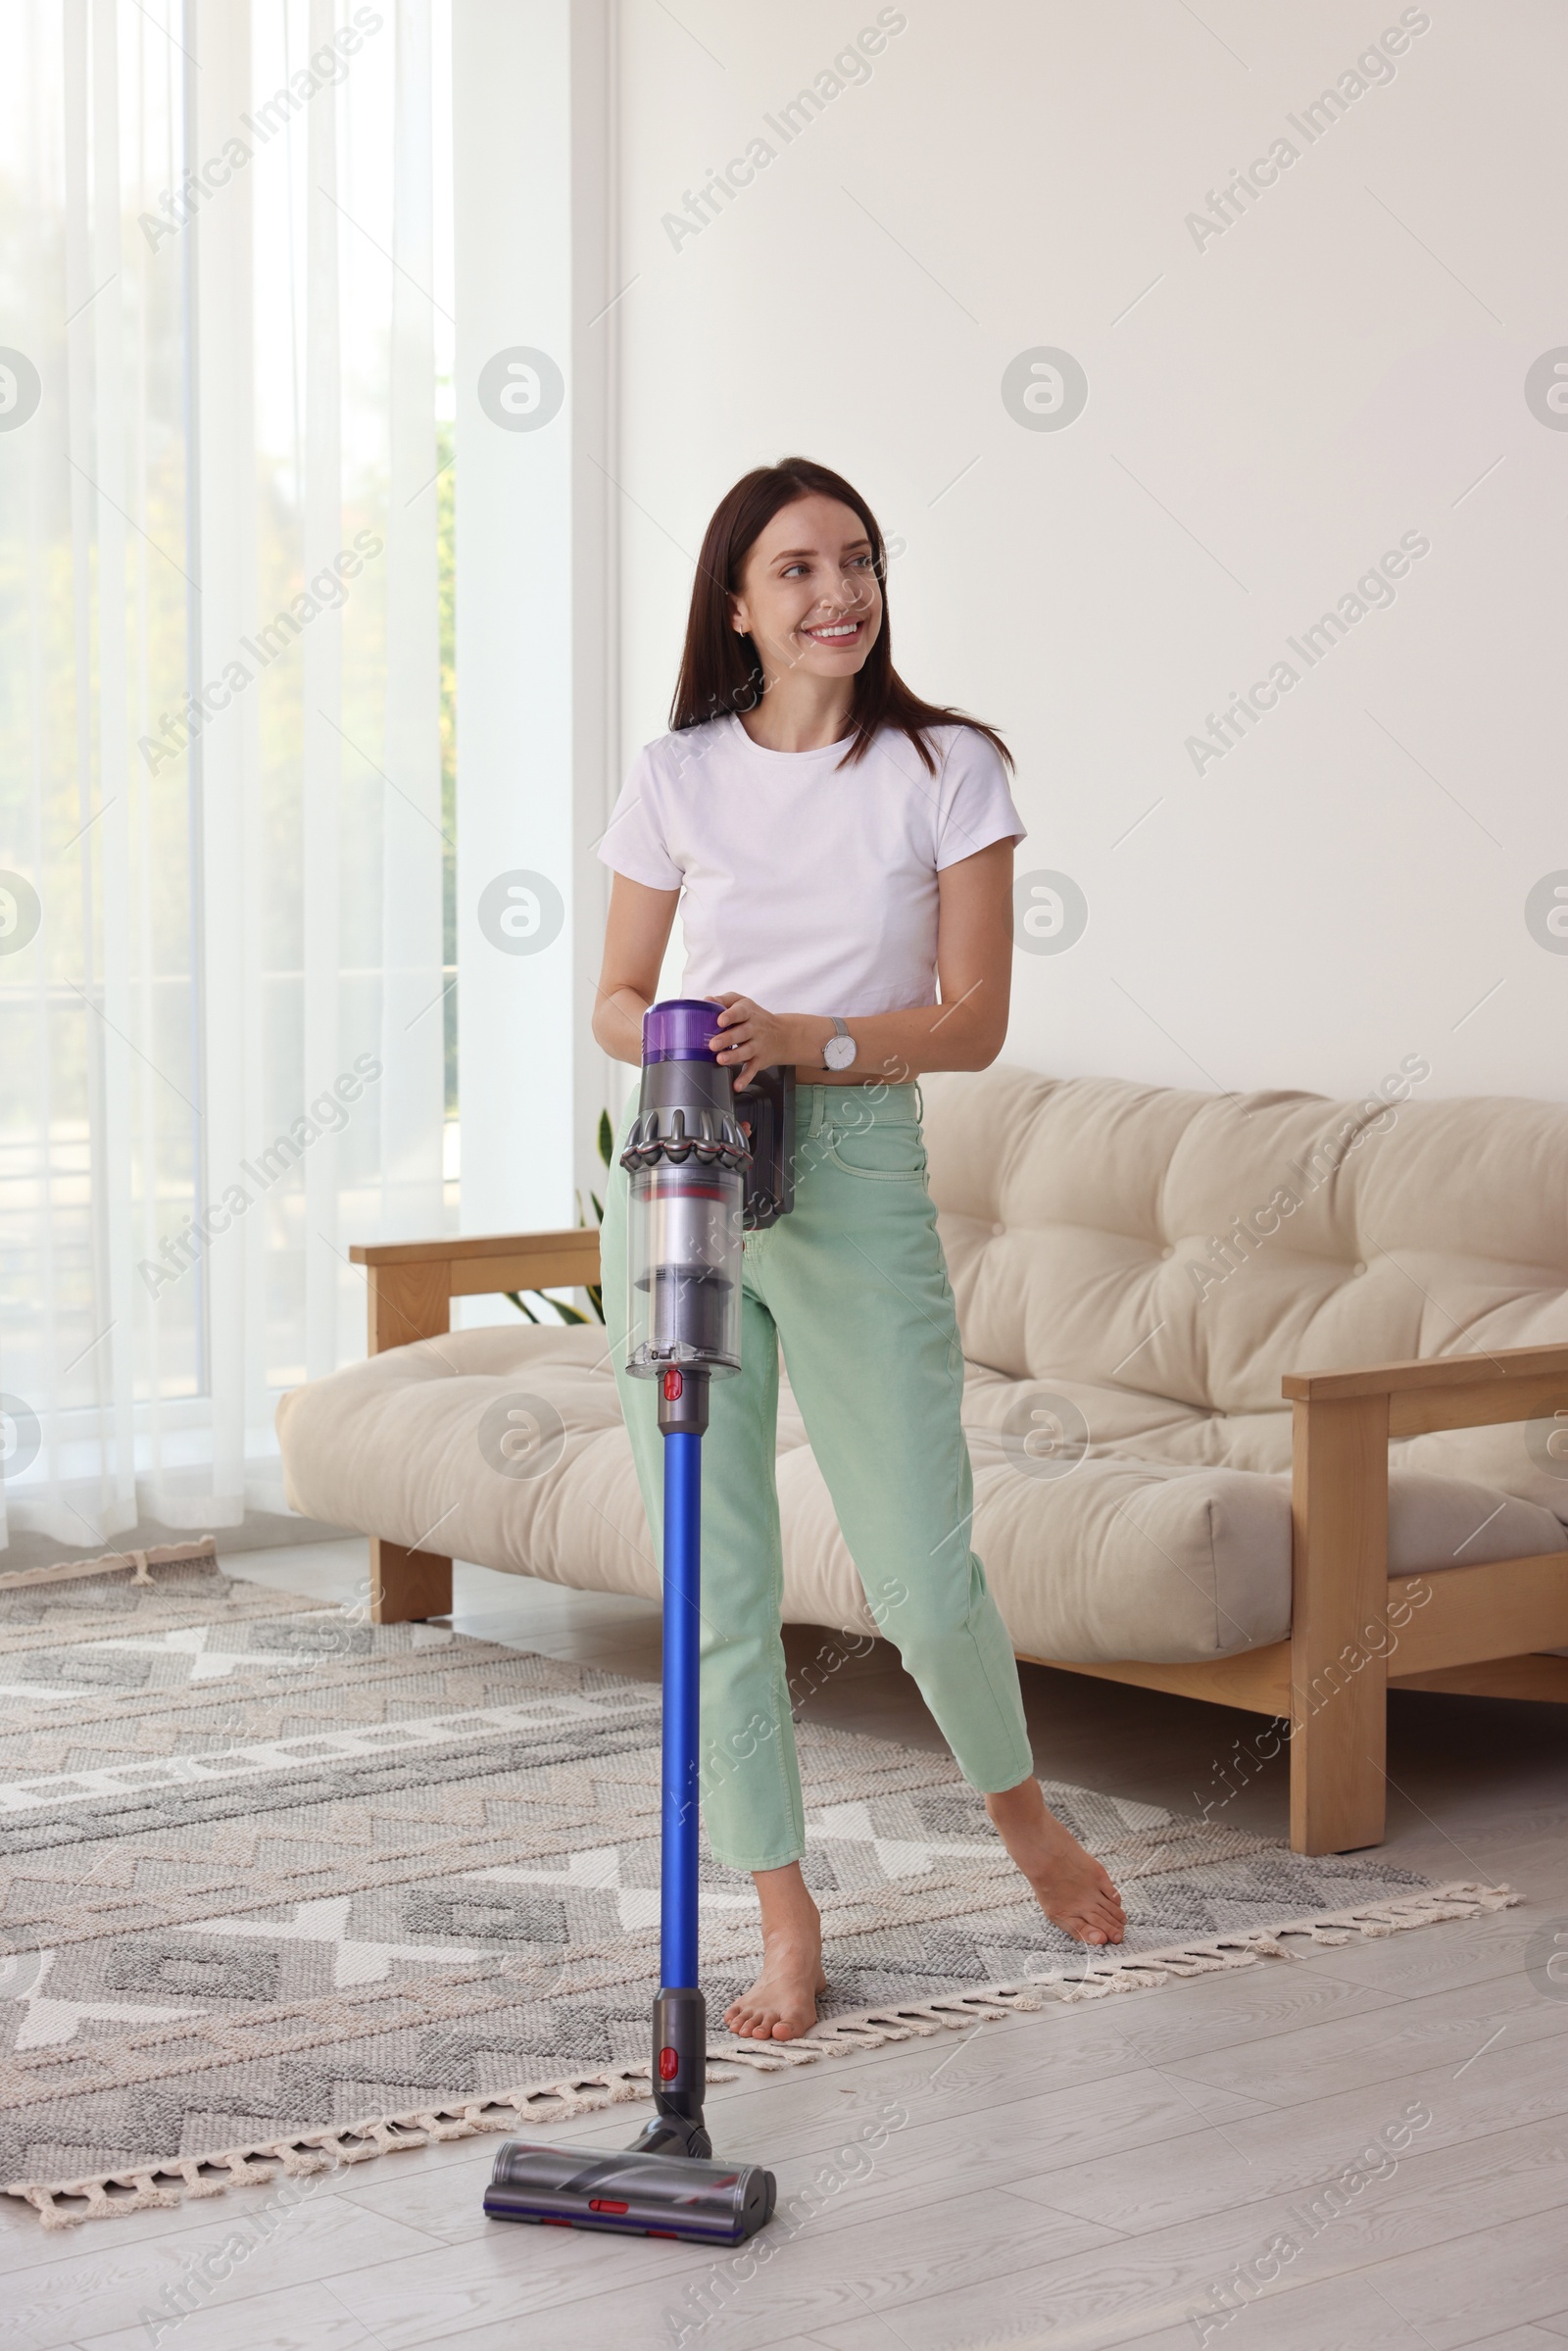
(599, 1205)
(516, 1297)
(607, 1137)
(565, 1312)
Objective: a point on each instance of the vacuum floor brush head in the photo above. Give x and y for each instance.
(632, 2193)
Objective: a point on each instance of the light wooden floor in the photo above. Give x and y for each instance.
(1069, 2179)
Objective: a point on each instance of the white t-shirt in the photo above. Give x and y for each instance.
(808, 887)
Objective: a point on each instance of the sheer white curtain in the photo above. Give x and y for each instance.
(223, 986)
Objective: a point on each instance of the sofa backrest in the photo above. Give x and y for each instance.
(1198, 1246)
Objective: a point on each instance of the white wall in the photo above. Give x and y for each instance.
(1337, 368)
(535, 175)
(512, 160)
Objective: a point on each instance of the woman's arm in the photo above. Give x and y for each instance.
(636, 936)
(966, 1030)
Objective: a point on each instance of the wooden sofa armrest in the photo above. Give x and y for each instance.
(1345, 1615)
(410, 1283)
(410, 1287)
(1447, 1392)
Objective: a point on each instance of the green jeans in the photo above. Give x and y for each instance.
(853, 1286)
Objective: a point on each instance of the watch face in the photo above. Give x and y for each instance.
(839, 1052)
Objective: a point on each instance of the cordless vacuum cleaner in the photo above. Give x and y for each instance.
(703, 1169)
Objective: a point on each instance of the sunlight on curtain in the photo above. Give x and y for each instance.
(224, 820)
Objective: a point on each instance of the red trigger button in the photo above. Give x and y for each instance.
(673, 1386)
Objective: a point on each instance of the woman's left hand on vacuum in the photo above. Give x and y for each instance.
(752, 1038)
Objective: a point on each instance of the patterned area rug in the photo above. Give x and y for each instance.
(284, 1889)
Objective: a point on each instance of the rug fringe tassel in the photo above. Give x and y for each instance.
(65, 2204)
(114, 1564)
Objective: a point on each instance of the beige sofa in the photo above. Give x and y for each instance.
(1261, 1396)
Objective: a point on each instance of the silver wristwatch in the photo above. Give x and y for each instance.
(839, 1050)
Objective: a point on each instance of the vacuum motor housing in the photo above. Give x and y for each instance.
(706, 1166)
(686, 1158)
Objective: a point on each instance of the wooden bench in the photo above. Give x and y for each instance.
(1474, 1630)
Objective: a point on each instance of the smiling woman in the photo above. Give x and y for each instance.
(842, 844)
(839, 847)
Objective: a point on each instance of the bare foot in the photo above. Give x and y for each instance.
(1071, 1887)
(781, 2004)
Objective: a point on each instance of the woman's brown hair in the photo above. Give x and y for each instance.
(720, 673)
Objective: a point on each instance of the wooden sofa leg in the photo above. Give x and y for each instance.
(407, 1587)
(407, 1302)
(1339, 1624)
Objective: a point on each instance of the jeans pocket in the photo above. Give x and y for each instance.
(879, 1150)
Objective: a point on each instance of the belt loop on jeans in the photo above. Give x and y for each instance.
(919, 1102)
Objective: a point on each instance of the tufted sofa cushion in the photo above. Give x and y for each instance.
(1135, 1268)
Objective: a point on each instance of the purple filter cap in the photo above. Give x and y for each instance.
(678, 1029)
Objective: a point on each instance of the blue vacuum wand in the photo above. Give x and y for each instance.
(701, 1172)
